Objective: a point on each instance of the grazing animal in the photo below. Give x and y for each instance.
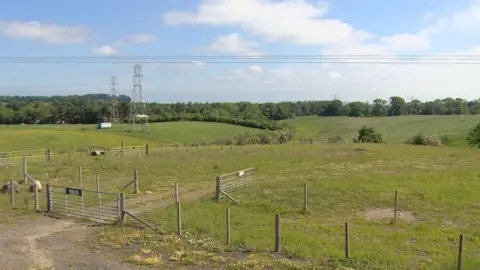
(39, 186)
(6, 188)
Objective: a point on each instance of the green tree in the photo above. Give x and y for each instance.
(473, 137)
(356, 109)
(397, 106)
(379, 107)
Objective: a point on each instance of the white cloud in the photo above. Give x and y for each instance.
(235, 44)
(255, 68)
(142, 38)
(105, 50)
(291, 21)
(48, 33)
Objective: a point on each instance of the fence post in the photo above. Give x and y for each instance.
(25, 170)
(122, 208)
(228, 226)
(80, 176)
(122, 149)
(12, 194)
(176, 193)
(49, 198)
(47, 155)
(347, 244)
(460, 252)
(187, 147)
(99, 196)
(35, 194)
(218, 188)
(146, 149)
(135, 181)
(179, 220)
(395, 209)
(277, 233)
(305, 198)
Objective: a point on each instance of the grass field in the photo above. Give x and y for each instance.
(438, 190)
(393, 129)
(62, 137)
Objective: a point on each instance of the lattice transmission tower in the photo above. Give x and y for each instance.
(139, 108)
(114, 112)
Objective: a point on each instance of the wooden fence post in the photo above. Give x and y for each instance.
(122, 208)
(146, 149)
(25, 170)
(47, 155)
(122, 149)
(176, 193)
(347, 243)
(305, 198)
(179, 220)
(49, 198)
(35, 196)
(460, 252)
(99, 196)
(80, 176)
(395, 209)
(187, 147)
(277, 233)
(218, 188)
(12, 194)
(228, 226)
(135, 181)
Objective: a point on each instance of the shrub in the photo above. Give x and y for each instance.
(420, 139)
(368, 135)
(473, 137)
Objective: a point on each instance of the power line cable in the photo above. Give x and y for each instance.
(266, 59)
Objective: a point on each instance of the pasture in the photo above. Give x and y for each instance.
(393, 129)
(63, 137)
(438, 191)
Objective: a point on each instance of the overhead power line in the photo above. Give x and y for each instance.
(264, 59)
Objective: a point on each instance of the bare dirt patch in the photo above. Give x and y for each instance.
(48, 243)
(388, 213)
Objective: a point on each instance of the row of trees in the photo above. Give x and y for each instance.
(93, 108)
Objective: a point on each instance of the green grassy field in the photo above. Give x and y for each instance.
(62, 137)
(393, 129)
(438, 186)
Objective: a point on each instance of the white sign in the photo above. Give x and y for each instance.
(241, 173)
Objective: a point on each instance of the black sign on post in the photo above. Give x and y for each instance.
(74, 191)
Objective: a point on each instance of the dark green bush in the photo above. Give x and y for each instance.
(368, 135)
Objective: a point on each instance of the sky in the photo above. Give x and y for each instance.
(143, 31)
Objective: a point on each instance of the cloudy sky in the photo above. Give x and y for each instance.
(143, 30)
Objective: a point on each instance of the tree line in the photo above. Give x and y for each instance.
(94, 108)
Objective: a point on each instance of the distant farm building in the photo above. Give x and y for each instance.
(104, 125)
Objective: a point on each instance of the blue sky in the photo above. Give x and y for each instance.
(105, 28)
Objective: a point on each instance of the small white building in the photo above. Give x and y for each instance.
(104, 125)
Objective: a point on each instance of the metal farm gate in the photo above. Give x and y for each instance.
(228, 183)
(81, 203)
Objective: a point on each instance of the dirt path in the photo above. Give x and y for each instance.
(44, 242)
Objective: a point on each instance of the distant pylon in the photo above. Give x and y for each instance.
(139, 108)
(114, 113)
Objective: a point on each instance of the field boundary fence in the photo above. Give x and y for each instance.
(228, 183)
(116, 183)
(15, 158)
(139, 150)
